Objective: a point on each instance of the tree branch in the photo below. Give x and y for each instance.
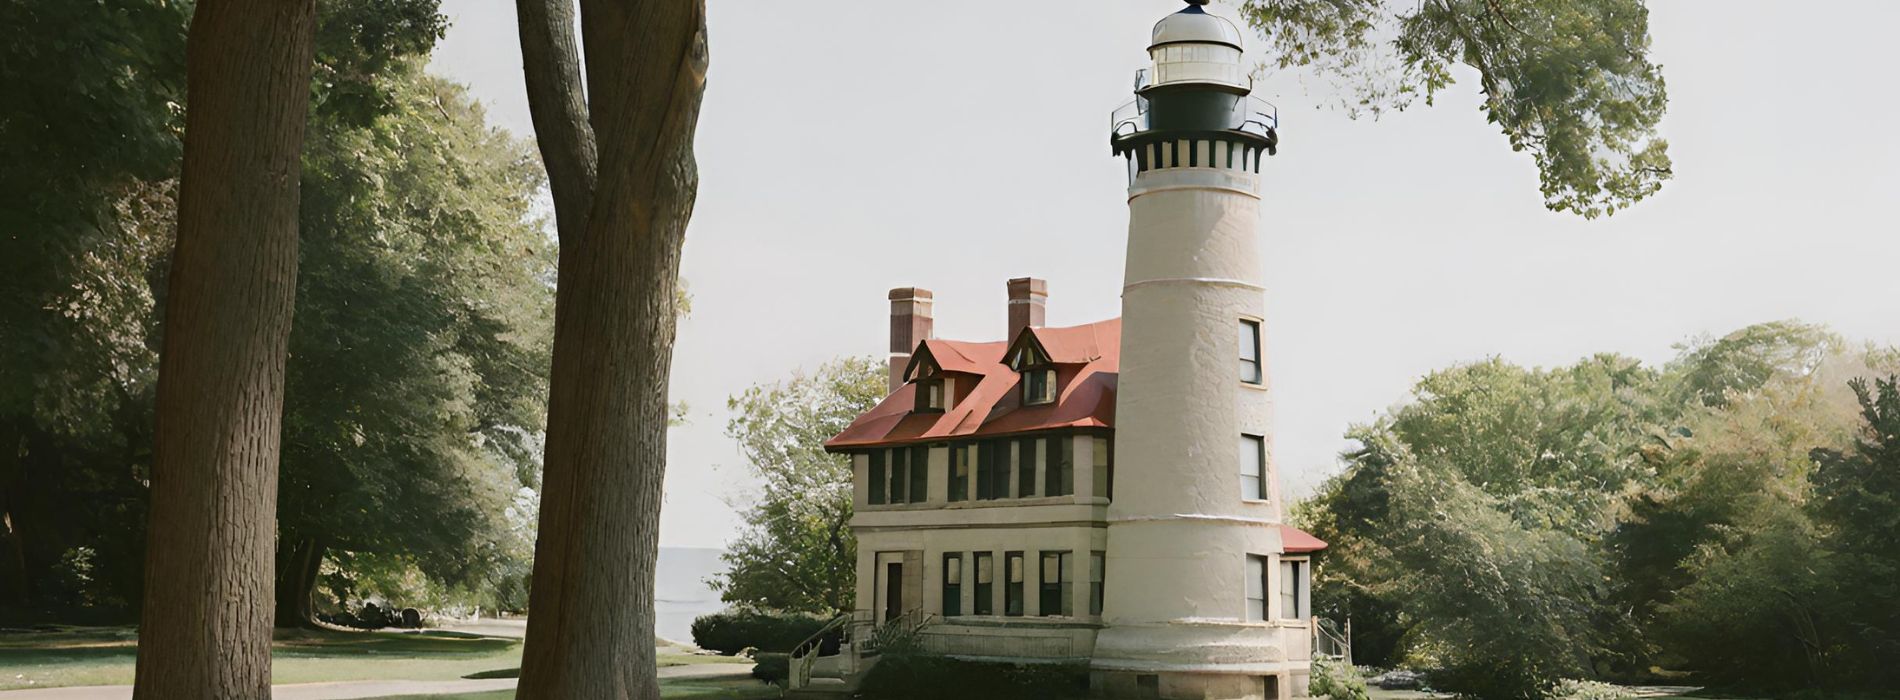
(550, 63)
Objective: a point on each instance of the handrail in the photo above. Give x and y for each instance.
(805, 654)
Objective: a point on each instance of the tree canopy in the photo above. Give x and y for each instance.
(1569, 81)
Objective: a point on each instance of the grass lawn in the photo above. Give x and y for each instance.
(105, 656)
(683, 688)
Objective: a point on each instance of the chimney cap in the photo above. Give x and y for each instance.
(906, 293)
(1028, 285)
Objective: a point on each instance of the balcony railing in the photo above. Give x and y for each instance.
(1250, 115)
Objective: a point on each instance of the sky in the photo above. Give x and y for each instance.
(848, 148)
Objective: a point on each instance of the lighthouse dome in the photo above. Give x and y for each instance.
(1194, 25)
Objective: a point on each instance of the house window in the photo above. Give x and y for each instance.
(877, 477)
(1026, 453)
(1013, 584)
(900, 469)
(1056, 598)
(919, 474)
(1253, 467)
(1256, 587)
(959, 472)
(1294, 580)
(952, 584)
(1250, 369)
(1039, 387)
(1104, 471)
(930, 397)
(1061, 471)
(985, 583)
(992, 470)
(1098, 581)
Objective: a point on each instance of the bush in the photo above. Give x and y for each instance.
(921, 677)
(772, 667)
(1336, 680)
(729, 631)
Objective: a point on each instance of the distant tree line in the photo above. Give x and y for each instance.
(416, 383)
(1731, 515)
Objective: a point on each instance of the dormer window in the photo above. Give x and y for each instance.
(930, 395)
(1038, 373)
(1039, 387)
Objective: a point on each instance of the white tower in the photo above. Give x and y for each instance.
(1194, 542)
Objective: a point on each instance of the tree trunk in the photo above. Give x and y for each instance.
(206, 624)
(297, 569)
(621, 221)
(16, 578)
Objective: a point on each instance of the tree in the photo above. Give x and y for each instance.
(205, 625)
(1570, 81)
(90, 132)
(620, 166)
(1857, 505)
(417, 377)
(796, 552)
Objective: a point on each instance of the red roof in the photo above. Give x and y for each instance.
(1296, 541)
(1086, 359)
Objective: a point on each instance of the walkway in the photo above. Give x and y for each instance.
(352, 690)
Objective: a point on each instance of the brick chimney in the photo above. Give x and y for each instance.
(911, 323)
(1027, 297)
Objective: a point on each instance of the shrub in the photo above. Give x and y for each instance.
(772, 667)
(922, 677)
(1336, 680)
(729, 631)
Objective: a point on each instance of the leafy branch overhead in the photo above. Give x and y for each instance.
(1570, 81)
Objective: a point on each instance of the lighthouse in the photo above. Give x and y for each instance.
(1204, 600)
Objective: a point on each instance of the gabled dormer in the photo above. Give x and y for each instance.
(935, 388)
(1034, 368)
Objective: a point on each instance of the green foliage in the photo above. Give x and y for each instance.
(730, 631)
(772, 667)
(796, 551)
(925, 677)
(1511, 527)
(416, 387)
(1337, 680)
(1569, 81)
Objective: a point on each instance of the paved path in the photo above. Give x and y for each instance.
(350, 690)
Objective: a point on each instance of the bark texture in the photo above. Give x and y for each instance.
(206, 623)
(623, 176)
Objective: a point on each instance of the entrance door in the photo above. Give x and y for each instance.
(893, 590)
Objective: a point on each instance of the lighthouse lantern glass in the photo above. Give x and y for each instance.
(1193, 62)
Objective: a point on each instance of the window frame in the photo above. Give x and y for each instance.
(899, 481)
(1014, 577)
(959, 477)
(952, 576)
(1028, 458)
(1061, 589)
(875, 478)
(919, 473)
(1296, 576)
(1059, 479)
(1098, 580)
(1259, 608)
(1256, 365)
(1039, 386)
(985, 591)
(1257, 444)
(930, 396)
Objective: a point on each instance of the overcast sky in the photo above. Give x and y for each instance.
(849, 147)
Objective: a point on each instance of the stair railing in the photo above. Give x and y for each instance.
(805, 655)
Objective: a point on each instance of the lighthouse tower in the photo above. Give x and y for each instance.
(1202, 599)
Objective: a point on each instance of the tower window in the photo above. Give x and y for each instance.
(1256, 587)
(900, 470)
(992, 470)
(1250, 369)
(876, 477)
(1253, 467)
